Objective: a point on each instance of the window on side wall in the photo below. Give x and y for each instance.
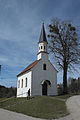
(44, 66)
(22, 83)
(26, 82)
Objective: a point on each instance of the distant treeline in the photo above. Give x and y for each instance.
(72, 87)
(7, 92)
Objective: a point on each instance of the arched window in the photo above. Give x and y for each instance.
(18, 83)
(41, 47)
(22, 83)
(44, 66)
(26, 82)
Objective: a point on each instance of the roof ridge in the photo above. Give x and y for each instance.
(29, 67)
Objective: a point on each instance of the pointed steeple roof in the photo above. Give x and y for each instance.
(43, 34)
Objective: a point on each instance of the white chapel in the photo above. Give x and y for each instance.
(40, 77)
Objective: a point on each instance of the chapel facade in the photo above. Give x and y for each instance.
(40, 77)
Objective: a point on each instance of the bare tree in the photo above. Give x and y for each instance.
(64, 44)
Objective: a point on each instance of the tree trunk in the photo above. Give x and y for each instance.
(65, 78)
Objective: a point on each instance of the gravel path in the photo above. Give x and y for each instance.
(9, 115)
(73, 104)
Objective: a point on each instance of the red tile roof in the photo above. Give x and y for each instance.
(29, 67)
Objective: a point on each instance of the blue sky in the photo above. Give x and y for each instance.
(20, 26)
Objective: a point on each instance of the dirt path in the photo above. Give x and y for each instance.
(73, 104)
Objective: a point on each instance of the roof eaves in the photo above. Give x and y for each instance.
(28, 69)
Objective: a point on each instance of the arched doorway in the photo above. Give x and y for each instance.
(44, 89)
(45, 84)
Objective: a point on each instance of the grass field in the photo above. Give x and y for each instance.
(40, 106)
(67, 95)
(1, 99)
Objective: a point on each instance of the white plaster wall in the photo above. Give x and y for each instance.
(22, 92)
(42, 56)
(39, 74)
(39, 56)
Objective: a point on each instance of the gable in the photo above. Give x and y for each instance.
(52, 66)
(40, 65)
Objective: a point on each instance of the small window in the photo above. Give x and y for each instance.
(18, 83)
(44, 47)
(26, 82)
(22, 83)
(44, 66)
(41, 47)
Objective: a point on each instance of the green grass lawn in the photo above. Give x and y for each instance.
(40, 106)
(1, 99)
(67, 95)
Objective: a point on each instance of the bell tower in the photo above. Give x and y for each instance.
(42, 44)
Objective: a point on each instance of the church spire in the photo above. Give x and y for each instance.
(42, 45)
(43, 34)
